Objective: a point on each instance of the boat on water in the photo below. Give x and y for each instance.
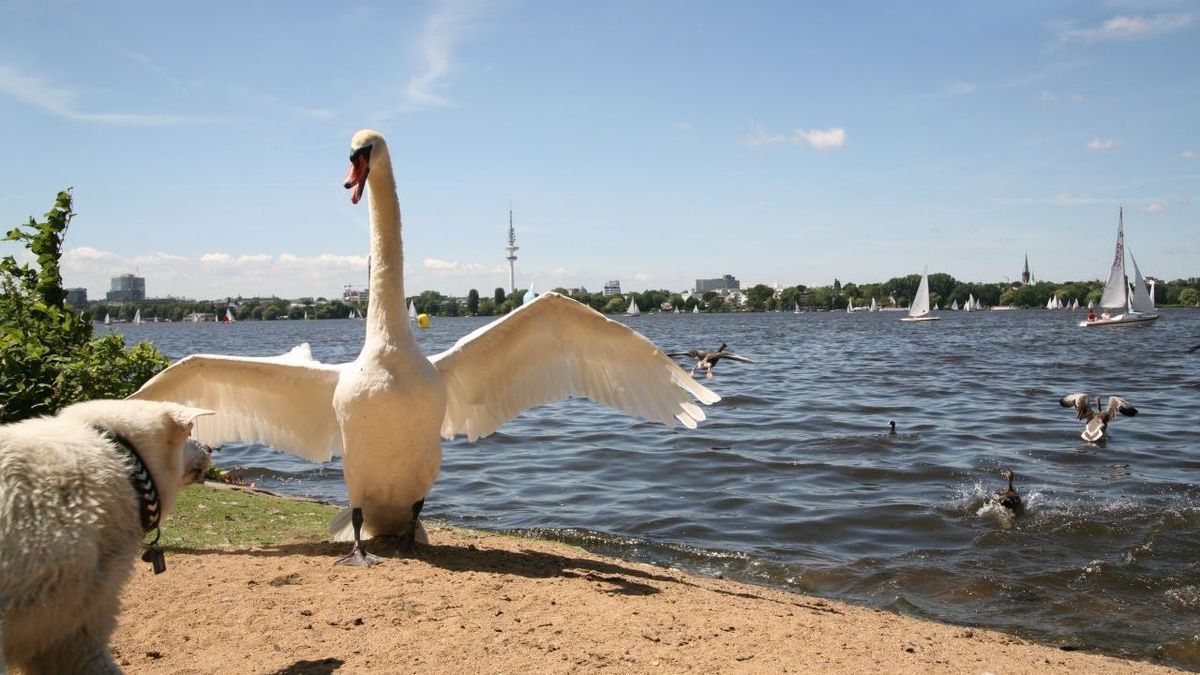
(954, 306)
(1132, 300)
(850, 306)
(107, 320)
(696, 308)
(919, 309)
(228, 318)
(633, 308)
(137, 317)
(970, 304)
(874, 305)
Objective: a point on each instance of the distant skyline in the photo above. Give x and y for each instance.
(654, 143)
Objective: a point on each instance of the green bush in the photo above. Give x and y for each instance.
(48, 356)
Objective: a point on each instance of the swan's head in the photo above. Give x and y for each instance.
(366, 148)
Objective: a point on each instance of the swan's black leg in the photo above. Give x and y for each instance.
(358, 555)
(411, 540)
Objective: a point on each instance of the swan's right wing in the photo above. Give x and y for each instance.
(285, 401)
(1079, 402)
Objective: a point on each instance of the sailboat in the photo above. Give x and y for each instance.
(137, 316)
(107, 320)
(954, 306)
(633, 308)
(797, 309)
(874, 305)
(970, 306)
(228, 317)
(412, 311)
(850, 306)
(696, 308)
(1132, 300)
(919, 309)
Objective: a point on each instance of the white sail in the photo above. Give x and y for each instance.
(1050, 303)
(797, 309)
(1091, 305)
(954, 306)
(1115, 293)
(874, 305)
(229, 316)
(107, 320)
(412, 311)
(850, 305)
(696, 308)
(1141, 301)
(1075, 304)
(920, 304)
(978, 304)
(970, 306)
(137, 316)
(633, 308)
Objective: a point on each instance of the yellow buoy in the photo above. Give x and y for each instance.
(423, 320)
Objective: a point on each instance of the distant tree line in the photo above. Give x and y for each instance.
(943, 291)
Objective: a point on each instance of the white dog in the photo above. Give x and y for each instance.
(72, 520)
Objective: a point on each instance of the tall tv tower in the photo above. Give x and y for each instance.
(512, 253)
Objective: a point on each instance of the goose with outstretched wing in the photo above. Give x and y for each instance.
(386, 412)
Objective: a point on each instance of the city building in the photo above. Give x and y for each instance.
(77, 297)
(352, 294)
(126, 288)
(612, 287)
(725, 283)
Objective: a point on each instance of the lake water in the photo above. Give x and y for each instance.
(795, 482)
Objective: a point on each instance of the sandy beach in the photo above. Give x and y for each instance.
(478, 602)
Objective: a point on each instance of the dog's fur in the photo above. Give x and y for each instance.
(70, 526)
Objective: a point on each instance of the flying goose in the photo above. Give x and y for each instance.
(1096, 430)
(708, 360)
(387, 411)
(1009, 498)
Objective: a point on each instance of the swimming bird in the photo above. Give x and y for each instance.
(1194, 349)
(892, 424)
(1009, 498)
(1096, 430)
(708, 360)
(387, 411)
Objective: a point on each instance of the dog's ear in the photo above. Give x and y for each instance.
(185, 415)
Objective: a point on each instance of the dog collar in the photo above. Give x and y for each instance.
(149, 506)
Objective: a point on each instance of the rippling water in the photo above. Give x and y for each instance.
(794, 480)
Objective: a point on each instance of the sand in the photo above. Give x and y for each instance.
(485, 603)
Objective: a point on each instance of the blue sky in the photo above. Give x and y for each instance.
(654, 143)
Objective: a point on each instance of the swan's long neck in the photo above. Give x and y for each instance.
(387, 319)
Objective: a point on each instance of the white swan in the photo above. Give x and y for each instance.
(384, 412)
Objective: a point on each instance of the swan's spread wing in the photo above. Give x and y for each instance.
(734, 357)
(553, 348)
(1116, 404)
(285, 401)
(1079, 402)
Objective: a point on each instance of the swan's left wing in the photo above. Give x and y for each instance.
(283, 401)
(554, 348)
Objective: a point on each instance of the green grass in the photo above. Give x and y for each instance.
(206, 518)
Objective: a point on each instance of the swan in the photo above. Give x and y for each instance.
(1009, 498)
(388, 410)
(1096, 430)
(708, 360)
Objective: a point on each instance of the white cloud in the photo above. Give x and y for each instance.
(216, 274)
(450, 22)
(819, 139)
(1101, 144)
(1054, 97)
(1189, 154)
(643, 277)
(61, 102)
(1154, 208)
(438, 264)
(1127, 28)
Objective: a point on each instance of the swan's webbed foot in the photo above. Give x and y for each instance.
(360, 558)
(358, 555)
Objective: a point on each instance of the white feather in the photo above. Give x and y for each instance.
(283, 401)
(554, 348)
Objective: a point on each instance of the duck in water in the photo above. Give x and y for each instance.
(1009, 498)
(708, 360)
(1096, 430)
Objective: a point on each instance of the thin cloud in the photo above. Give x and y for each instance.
(1101, 144)
(450, 22)
(1189, 154)
(818, 139)
(1154, 208)
(1127, 28)
(1054, 97)
(61, 102)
